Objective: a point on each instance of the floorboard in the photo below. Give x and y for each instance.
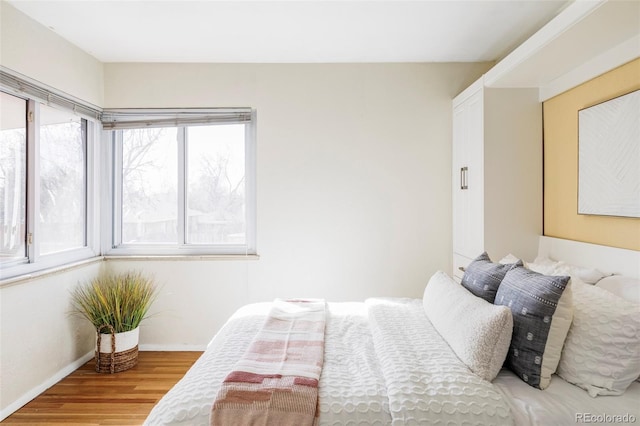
(88, 398)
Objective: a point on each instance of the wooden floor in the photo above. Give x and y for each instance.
(89, 398)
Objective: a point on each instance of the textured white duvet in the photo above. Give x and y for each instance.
(351, 384)
(426, 382)
(384, 364)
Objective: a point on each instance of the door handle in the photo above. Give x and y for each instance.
(464, 176)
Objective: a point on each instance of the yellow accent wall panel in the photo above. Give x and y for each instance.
(561, 218)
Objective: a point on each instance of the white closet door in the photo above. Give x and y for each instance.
(468, 179)
(460, 195)
(475, 175)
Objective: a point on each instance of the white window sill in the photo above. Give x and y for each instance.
(19, 279)
(184, 257)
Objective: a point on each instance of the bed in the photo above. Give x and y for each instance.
(394, 361)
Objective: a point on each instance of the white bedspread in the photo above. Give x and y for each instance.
(351, 384)
(404, 364)
(386, 364)
(426, 382)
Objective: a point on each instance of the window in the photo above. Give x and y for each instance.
(13, 179)
(44, 179)
(183, 181)
(62, 203)
(173, 182)
(149, 186)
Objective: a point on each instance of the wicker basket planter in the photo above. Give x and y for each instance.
(116, 352)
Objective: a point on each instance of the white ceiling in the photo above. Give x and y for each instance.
(293, 31)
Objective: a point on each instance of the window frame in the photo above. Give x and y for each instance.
(99, 185)
(34, 261)
(113, 246)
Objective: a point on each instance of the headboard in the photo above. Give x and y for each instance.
(606, 259)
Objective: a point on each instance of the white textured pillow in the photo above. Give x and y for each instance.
(602, 350)
(626, 287)
(587, 275)
(510, 258)
(542, 265)
(478, 332)
(560, 326)
(547, 266)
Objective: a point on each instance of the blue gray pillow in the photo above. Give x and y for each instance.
(483, 277)
(535, 344)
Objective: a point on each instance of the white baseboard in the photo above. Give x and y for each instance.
(172, 348)
(31, 394)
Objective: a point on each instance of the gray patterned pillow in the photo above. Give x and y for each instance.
(483, 277)
(542, 311)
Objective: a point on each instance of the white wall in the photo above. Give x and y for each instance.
(39, 341)
(354, 178)
(37, 52)
(353, 193)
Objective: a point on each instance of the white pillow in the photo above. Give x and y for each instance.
(542, 265)
(587, 275)
(602, 351)
(547, 266)
(626, 287)
(478, 332)
(510, 258)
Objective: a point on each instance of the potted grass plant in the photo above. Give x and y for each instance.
(115, 304)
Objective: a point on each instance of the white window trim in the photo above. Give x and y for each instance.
(112, 201)
(99, 184)
(35, 262)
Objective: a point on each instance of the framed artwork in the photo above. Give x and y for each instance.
(609, 157)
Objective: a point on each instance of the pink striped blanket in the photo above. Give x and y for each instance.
(276, 381)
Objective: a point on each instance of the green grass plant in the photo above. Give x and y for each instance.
(120, 300)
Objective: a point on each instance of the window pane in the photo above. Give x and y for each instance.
(62, 180)
(216, 184)
(13, 177)
(149, 185)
